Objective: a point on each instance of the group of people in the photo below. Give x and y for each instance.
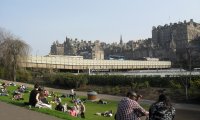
(78, 109)
(130, 109)
(18, 94)
(38, 98)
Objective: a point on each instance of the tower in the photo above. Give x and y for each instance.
(121, 42)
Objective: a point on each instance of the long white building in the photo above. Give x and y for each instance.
(78, 63)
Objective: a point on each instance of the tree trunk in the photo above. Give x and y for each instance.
(14, 73)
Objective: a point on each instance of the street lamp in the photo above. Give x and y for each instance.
(188, 50)
(37, 58)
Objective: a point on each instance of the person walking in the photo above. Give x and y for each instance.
(73, 94)
(162, 109)
(129, 109)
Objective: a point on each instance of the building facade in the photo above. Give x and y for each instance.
(173, 42)
(64, 62)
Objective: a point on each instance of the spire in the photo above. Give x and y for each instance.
(121, 42)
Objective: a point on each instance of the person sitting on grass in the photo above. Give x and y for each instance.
(59, 107)
(3, 90)
(65, 107)
(46, 93)
(17, 95)
(41, 103)
(82, 110)
(56, 99)
(162, 109)
(12, 84)
(23, 89)
(77, 100)
(129, 108)
(77, 108)
(42, 96)
(32, 97)
(73, 112)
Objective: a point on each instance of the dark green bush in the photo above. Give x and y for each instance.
(65, 80)
(23, 75)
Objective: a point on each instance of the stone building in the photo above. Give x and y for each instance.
(57, 49)
(70, 47)
(97, 52)
(173, 41)
(74, 47)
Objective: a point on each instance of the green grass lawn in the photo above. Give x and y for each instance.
(91, 107)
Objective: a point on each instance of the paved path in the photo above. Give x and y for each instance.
(184, 111)
(12, 112)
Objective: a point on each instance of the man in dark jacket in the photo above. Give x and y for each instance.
(32, 97)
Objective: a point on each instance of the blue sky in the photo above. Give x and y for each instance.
(41, 22)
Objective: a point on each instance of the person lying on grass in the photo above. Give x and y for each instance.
(105, 114)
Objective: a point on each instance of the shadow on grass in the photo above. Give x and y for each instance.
(18, 103)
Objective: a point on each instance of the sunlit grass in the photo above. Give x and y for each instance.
(91, 107)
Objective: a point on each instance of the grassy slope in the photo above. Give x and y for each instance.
(91, 107)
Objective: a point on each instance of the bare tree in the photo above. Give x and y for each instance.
(12, 49)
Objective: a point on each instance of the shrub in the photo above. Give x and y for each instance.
(23, 75)
(196, 83)
(176, 85)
